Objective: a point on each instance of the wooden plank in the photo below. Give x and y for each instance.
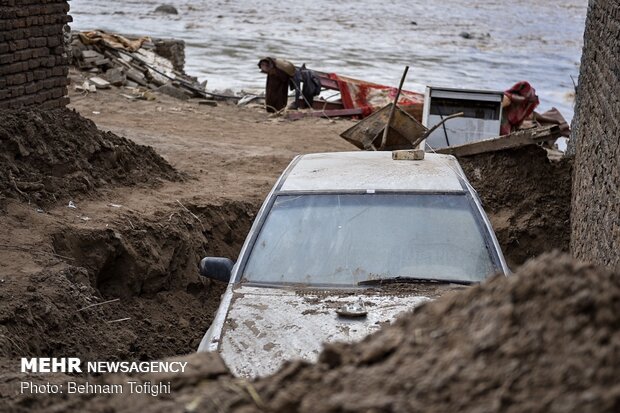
(319, 104)
(91, 54)
(326, 81)
(324, 113)
(404, 132)
(100, 83)
(511, 141)
(137, 76)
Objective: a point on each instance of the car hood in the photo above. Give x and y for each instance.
(266, 326)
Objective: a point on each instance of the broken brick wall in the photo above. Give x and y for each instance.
(595, 213)
(33, 61)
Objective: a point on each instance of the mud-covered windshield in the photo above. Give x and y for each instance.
(344, 239)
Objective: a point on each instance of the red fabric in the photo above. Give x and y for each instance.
(519, 109)
(358, 94)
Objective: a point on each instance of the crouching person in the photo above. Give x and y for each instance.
(279, 75)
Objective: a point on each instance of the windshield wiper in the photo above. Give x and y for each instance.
(412, 280)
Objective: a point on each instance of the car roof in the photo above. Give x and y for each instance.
(367, 171)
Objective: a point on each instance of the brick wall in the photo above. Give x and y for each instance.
(595, 213)
(33, 62)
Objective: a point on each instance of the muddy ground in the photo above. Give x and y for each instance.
(142, 222)
(527, 198)
(544, 340)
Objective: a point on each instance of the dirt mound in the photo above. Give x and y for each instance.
(544, 340)
(527, 198)
(49, 156)
(146, 265)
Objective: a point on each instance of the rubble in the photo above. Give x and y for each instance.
(405, 132)
(154, 64)
(116, 77)
(358, 98)
(171, 90)
(173, 50)
(100, 83)
(520, 138)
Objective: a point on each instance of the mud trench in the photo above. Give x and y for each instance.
(145, 268)
(130, 289)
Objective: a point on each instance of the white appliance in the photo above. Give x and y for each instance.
(482, 115)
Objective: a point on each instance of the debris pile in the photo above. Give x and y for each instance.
(138, 65)
(49, 156)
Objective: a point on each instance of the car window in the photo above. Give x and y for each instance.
(330, 239)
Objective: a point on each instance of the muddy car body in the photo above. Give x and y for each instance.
(343, 244)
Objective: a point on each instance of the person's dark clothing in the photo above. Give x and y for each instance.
(311, 85)
(276, 91)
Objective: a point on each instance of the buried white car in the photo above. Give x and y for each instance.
(344, 243)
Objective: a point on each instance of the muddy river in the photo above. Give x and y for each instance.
(457, 43)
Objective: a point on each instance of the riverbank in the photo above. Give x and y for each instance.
(476, 45)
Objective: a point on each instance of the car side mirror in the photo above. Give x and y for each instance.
(216, 268)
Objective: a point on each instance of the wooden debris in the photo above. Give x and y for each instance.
(171, 89)
(140, 93)
(140, 66)
(321, 104)
(388, 124)
(118, 320)
(86, 87)
(136, 76)
(404, 131)
(91, 54)
(324, 113)
(514, 140)
(116, 76)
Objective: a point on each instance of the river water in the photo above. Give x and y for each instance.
(510, 40)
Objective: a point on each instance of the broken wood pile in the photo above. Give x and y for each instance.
(131, 64)
(520, 138)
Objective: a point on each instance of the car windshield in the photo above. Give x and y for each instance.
(341, 240)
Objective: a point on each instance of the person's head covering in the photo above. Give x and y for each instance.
(284, 65)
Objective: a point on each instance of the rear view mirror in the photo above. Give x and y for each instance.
(216, 268)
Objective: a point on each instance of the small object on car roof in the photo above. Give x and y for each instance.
(408, 155)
